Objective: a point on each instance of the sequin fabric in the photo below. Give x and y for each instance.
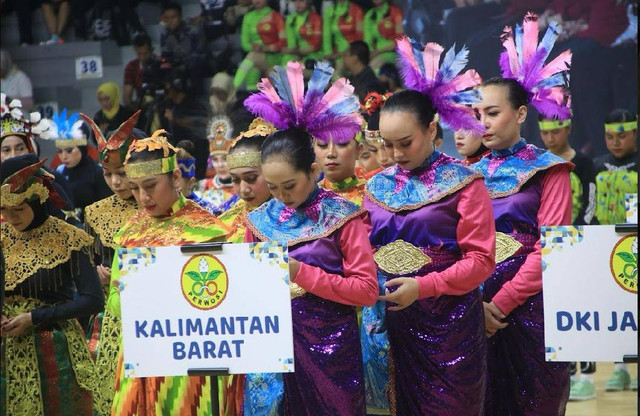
(329, 376)
(506, 171)
(397, 189)
(519, 380)
(439, 350)
(322, 214)
(438, 345)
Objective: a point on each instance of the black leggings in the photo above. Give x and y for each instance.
(586, 367)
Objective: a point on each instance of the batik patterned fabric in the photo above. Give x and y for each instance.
(351, 189)
(187, 223)
(323, 213)
(506, 171)
(151, 396)
(64, 375)
(396, 189)
(203, 203)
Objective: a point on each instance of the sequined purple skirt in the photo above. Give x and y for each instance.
(329, 377)
(520, 381)
(438, 353)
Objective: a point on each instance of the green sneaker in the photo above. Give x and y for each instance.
(634, 384)
(582, 390)
(620, 380)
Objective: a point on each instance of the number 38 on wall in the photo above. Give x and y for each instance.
(89, 67)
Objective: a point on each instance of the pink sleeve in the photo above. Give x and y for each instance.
(249, 237)
(555, 209)
(476, 234)
(359, 286)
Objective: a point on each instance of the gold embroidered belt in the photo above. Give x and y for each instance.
(400, 258)
(23, 377)
(507, 246)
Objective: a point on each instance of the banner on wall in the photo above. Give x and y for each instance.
(590, 286)
(228, 309)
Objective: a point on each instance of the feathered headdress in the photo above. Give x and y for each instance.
(29, 184)
(523, 60)
(284, 103)
(451, 92)
(64, 130)
(118, 142)
(12, 122)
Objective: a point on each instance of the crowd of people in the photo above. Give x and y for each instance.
(401, 302)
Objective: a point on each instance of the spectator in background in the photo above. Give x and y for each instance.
(390, 77)
(304, 34)
(233, 21)
(589, 27)
(342, 24)
(221, 93)
(111, 113)
(263, 37)
(187, 117)
(56, 15)
(356, 62)
(15, 83)
(134, 69)
(382, 25)
(183, 46)
(24, 9)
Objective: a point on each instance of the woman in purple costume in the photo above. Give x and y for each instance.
(530, 188)
(330, 260)
(434, 241)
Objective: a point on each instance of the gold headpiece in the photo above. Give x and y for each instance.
(219, 135)
(249, 159)
(157, 141)
(25, 179)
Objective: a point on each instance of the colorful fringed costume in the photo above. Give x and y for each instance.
(47, 272)
(187, 223)
(328, 238)
(103, 219)
(529, 187)
(432, 224)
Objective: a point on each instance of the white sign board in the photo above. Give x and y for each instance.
(590, 285)
(226, 309)
(89, 67)
(47, 109)
(631, 208)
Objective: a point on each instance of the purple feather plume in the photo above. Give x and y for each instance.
(542, 86)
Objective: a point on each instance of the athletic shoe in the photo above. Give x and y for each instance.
(582, 390)
(620, 380)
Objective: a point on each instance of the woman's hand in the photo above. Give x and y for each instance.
(104, 273)
(493, 319)
(294, 267)
(16, 325)
(406, 293)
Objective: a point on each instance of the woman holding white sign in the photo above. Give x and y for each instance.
(165, 218)
(330, 259)
(253, 394)
(49, 282)
(433, 236)
(529, 187)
